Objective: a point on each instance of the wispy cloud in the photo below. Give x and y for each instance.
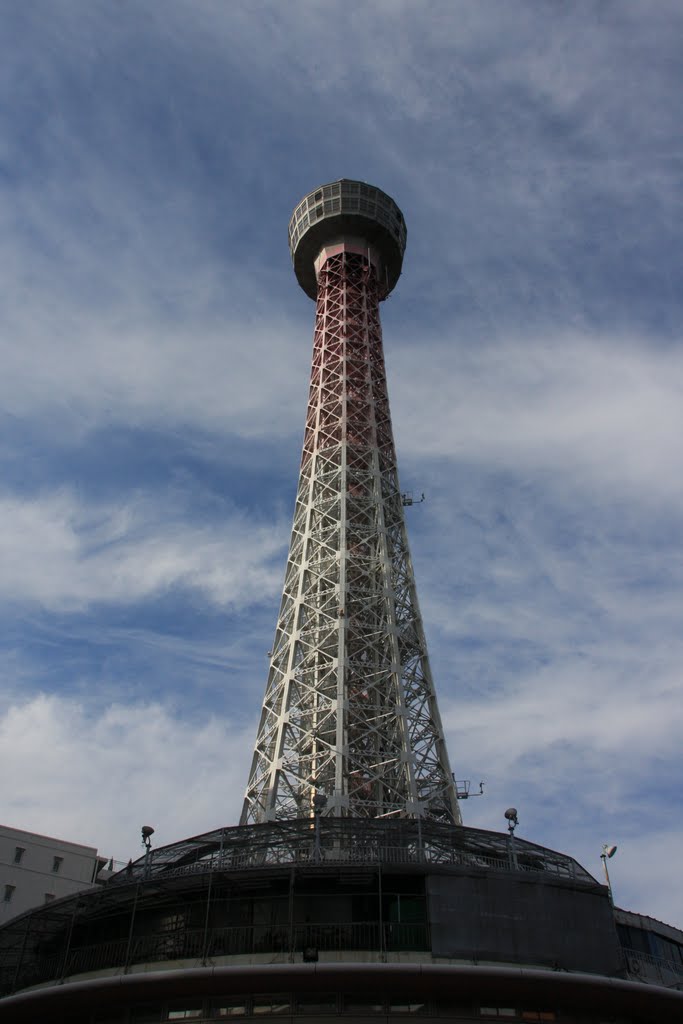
(97, 778)
(601, 413)
(65, 555)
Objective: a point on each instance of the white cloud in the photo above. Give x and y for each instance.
(97, 778)
(602, 413)
(67, 555)
(72, 373)
(598, 701)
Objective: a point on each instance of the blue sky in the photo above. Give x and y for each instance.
(155, 353)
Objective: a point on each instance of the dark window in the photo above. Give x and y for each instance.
(145, 1014)
(362, 1006)
(318, 1003)
(9, 893)
(56, 864)
(229, 1008)
(19, 852)
(49, 896)
(271, 1004)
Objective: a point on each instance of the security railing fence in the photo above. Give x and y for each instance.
(659, 969)
(205, 945)
(353, 841)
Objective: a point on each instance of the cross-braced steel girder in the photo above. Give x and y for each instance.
(350, 709)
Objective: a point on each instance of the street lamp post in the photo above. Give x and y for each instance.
(147, 833)
(513, 822)
(607, 853)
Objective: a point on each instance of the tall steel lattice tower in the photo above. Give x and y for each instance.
(350, 725)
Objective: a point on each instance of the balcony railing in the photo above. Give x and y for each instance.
(205, 945)
(353, 841)
(657, 969)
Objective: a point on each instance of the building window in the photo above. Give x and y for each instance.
(9, 893)
(56, 864)
(19, 852)
(362, 1006)
(267, 1004)
(49, 896)
(317, 1004)
(148, 1014)
(230, 1008)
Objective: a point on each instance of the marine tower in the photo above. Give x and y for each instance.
(350, 725)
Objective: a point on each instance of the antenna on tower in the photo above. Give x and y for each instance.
(408, 499)
(462, 789)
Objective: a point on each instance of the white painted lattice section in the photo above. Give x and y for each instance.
(349, 709)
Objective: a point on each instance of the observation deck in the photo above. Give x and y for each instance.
(346, 209)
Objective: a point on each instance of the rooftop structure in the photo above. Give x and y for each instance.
(37, 869)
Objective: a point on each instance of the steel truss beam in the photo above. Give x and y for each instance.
(350, 709)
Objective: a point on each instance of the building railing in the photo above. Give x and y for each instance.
(205, 945)
(364, 856)
(646, 967)
(353, 841)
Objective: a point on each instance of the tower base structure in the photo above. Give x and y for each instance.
(330, 918)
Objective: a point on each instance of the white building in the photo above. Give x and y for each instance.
(37, 869)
